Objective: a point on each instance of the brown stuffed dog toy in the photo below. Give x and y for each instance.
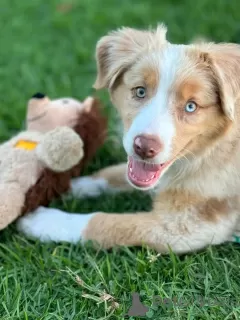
(38, 164)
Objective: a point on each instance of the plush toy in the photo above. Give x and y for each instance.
(37, 165)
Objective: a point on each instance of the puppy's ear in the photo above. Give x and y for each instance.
(119, 49)
(224, 61)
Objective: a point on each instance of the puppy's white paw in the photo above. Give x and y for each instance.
(88, 187)
(47, 224)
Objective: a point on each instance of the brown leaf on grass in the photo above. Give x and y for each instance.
(106, 297)
(79, 281)
(97, 295)
(114, 305)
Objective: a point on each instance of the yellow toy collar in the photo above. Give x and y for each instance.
(27, 145)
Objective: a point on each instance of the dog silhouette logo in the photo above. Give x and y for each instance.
(137, 309)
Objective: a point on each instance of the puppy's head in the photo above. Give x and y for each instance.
(174, 100)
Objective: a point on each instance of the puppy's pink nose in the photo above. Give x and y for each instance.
(147, 146)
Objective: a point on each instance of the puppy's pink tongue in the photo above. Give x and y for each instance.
(143, 174)
(144, 170)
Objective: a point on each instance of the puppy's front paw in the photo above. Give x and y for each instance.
(88, 187)
(48, 224)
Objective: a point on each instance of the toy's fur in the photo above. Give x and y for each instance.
(197, 191)
(91, 127)
(37, 165)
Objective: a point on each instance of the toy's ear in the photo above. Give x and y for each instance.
(87, 104)
(118, 50)
(36, 104)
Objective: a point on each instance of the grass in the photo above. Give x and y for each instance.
(49, 46)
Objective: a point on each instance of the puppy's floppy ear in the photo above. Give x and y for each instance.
(224, 60)
(116, 51)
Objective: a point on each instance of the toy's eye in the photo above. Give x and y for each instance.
(140, 92)
(190, 107)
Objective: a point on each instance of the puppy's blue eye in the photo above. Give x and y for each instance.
(140, 92)
(190, 107)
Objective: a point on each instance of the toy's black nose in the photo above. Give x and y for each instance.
(38, 95)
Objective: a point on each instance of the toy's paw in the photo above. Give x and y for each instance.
(48, 224)
(60, 149)
(88, 187)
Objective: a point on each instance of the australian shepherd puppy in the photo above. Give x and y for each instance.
(180, 106)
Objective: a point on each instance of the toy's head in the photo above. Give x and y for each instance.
(44, 114)
(85, 118)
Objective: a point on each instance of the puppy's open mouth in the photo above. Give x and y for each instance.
(143, 174)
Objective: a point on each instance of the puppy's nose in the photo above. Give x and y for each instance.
(147, 146)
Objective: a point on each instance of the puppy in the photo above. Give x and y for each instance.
(180, 109)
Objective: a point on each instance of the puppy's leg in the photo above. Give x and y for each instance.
(111, 179)
(182, 231)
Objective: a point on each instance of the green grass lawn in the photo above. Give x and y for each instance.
(48, 46)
